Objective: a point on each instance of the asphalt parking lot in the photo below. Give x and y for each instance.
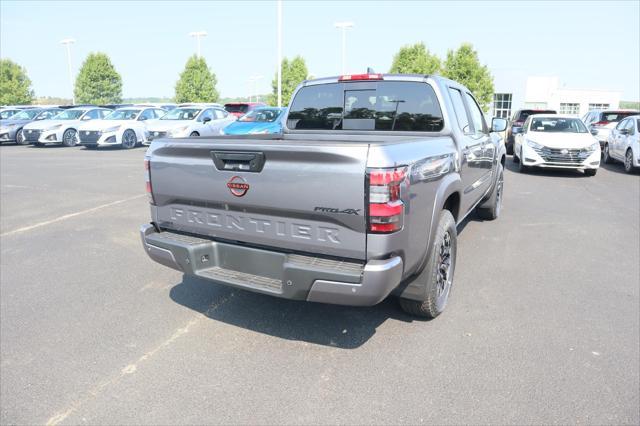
(543, 324)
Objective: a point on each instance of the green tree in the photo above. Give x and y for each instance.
(197, 83)
(415, 59)
(294, 72)
(464, 67)
(15, 86)
(98, 82)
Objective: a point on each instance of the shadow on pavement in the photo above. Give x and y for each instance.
(617, 167)
(329, 325)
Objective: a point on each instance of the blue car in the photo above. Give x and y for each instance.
(261, 120)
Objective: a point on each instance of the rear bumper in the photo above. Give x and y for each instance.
(286, 275)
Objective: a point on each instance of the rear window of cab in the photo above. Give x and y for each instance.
(381, 105)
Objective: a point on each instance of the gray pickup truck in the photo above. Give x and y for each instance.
(357, 200)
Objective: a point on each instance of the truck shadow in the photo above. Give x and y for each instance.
(328, 325)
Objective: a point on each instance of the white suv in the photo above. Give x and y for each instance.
(623, 144)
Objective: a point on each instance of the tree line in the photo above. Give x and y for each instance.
(98, 82)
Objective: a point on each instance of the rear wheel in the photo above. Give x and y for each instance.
(490, 210)
(438, 271)
(69, 137)
(628, 161)
(606, 157)
(20, 138)
(129, 139)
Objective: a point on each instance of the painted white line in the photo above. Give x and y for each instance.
(69, 216)
(133, 367)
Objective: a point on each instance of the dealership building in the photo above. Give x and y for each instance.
(514, 92)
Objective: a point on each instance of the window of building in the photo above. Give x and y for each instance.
(598, 106)
(502, 105)
(569, 108)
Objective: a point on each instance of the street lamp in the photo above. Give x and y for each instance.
(279, 53)
(68, 42)
(253, 90)
(198, 35)
(344, 26)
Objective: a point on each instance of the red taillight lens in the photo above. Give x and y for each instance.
(147, 178)
(354, 77)
(385, 206)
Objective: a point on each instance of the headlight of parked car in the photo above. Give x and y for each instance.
(533, 144)
(592, 147)
(178, 130)
(57, 126)
(111, 129)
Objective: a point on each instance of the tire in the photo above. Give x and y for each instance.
(129, 139)
(510, 148)
(590, 172)
(606, 158)
(438, 271)
(490, 210)
(20, 138)
(516, 160)
(521, 167)
(194, 135)
(628, 161)
(69, 138)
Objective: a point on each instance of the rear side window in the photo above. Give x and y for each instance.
(386, 105)
(461, 113)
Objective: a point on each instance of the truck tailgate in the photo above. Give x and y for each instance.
(295, 195)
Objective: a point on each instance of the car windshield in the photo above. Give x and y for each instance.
(527, 112)
(70, 114)
(381, 105)
(615, 116)
(181, 114)
(8, 113)
(261, 115)
(552, 124)
(123, 114)
(237, 108)
(27, 114)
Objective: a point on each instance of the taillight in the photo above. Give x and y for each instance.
(600, 123)
(147, 178)
(360, 77)
(385, 206)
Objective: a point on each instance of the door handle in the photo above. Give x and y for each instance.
(238, 161)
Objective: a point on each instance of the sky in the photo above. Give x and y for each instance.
(587, 44)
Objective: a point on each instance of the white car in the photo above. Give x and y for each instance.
(556, 141)
(623, 144)
(601, 121)
(125, 126)
(185, 122)
(62, 128)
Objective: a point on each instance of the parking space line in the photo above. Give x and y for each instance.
(131, 368)
(70, 215)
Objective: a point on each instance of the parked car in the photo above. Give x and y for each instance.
(623, 144)
(6, 113)
(164, 106)
(517, 120)
(61, 129)
(115, 106)
(184, 122)
(358, 198)
(600, 122)
(126, 127)
(241, 108)
(556, 141)
(11, 129)
(262, 120)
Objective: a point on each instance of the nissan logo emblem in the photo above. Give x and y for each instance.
(238, 186)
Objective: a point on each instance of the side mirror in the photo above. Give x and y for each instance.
(86, 118)
(624, 131)
(498, 124)
(206, 119)
(593, 132)
(143, 118)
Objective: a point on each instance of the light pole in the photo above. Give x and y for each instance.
(253, 90)
(344, 26)
(198, 35)
(68, 42)
(279, 53)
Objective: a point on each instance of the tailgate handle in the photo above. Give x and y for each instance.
(238, 161)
